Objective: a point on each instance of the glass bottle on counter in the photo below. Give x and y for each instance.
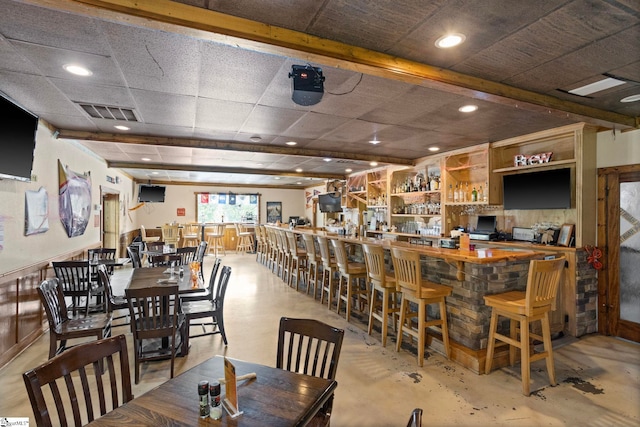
(456, 194)
(486, 192)
(481, 195)
(450, 194)
(474, 195)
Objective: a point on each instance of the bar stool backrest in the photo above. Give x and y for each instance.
(406, 264)
(374, 260)
(542, 284)
(340, 252)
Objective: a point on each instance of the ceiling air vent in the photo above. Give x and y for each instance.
(109, 113)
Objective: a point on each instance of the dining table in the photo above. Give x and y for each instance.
(275, 398)
(157, 276)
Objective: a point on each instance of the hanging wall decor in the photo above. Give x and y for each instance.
(74, 200)
(36, 211)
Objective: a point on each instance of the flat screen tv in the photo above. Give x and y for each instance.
(151, 193)
(486, 224)
(329, 203)
(549, 189)
(17, 140)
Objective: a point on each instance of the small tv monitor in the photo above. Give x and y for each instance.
(549, 189)
(17, 140)
(151, 193)
(486, 224)
(329, 203)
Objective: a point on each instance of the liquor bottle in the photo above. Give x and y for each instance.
(433, 184)
(450, 194)
(486, 191)
(456, 194)
(474, 195)
(480, 195)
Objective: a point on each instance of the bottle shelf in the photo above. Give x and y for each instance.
(416, 215)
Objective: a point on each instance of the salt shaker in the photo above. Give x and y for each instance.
(216, 409)
(203, 395)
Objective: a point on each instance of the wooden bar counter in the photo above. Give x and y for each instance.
(471, 275)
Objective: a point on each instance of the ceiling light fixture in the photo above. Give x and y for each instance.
(348, 170)
(450, 40)
(255, 138)
(299, 170)
(598, 86)
(292, 143)
(433, 149)
(326, 159)
(299, 183)
(78, 70)
(145, 159)
(120, 127)
(374, 141)
(468, 108)
(373, 164)
(632, 98)
(277, 177)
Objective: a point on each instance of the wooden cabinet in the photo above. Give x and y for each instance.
(357, 191)
(415, 201)
(467, 179)
(377, 191)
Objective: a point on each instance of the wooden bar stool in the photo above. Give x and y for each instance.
(523, 308)
(215, 238)
(298, 260)
(244, 243)
(383, 283)
(329, 267)
(422, 293)
(349, 287)
(191, 235)
(314, 261)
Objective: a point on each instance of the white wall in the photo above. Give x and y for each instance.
(19, 250)
(183, 196)
(618, 148)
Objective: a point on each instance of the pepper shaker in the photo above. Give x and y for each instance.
(203, 394)
(216, 409)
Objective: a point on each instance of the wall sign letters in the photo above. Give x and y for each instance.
(534, 159)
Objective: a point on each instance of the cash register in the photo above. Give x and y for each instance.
(485, 229)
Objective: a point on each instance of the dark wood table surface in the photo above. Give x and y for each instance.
(149, 277)
(274, 398)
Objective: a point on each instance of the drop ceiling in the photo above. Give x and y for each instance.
(206, 92)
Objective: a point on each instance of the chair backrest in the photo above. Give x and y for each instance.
(406, 264)
(221, 290)
(292, 242)
(154, 311)
(166, 259)
(101, 253)
(542, 283)
(52, 298)
(187, 254)
(212, 279)
(155, 246)
(134, 255)
(310, 246)
(143, 232)
(105, 281)
(309, 346)
(170, 233)
(325, 253)
(415, 420)
(201, 252)
(191, 229)
(374, 261)
(110, 387)
(74, 276)
(340, 251)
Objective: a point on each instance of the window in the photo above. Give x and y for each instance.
(227, 207)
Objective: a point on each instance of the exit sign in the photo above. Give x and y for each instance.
(181, 211)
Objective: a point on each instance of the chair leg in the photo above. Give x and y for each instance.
(403, 311)
(385, 315)
(513, 333)
(548, 348)
(220, 321)
(422, 331)
(444, 327)
(492, 341)
(525, 369)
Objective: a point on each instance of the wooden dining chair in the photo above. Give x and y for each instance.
(350, 273)
(523, 308)
(155, 314)
(146, 238)
(207, 293)
(187, 254)
(201, 252)
(134, 255)
(95, 255)
(164, 260)
(419, 293)
(384, 297)
(61, 327)
(310, 347)
(75, 279)
(103, 386)
(171, 234)
(212, 308)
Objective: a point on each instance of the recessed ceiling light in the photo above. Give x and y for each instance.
(434, 148)
(145, 159)
(298, 183)
(298, 170)
(155, 173)
(326, 159)
(348, 170)
(308, 179)
(468, 108)
(450, 40)
(374, 142)
(255, 138)
(598, 86)
(78, 70)
(373, 164)
(632, 98)
(259, 164)
(291, 143)
(120, 127)
(277, 177)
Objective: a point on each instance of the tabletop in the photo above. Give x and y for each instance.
(157, 276)
(276, 397)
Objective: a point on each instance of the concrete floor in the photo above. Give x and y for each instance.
(598, 377)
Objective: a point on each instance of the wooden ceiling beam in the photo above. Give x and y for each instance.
(225, 145)
(240, 32)
(223, 169)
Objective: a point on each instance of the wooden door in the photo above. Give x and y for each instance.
(619, 240)
(110, 221)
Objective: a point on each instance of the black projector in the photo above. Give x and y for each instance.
(308, 84)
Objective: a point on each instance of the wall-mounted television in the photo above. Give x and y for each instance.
(329, 202)
(17, 140)
(548, 189)
(151, 193)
